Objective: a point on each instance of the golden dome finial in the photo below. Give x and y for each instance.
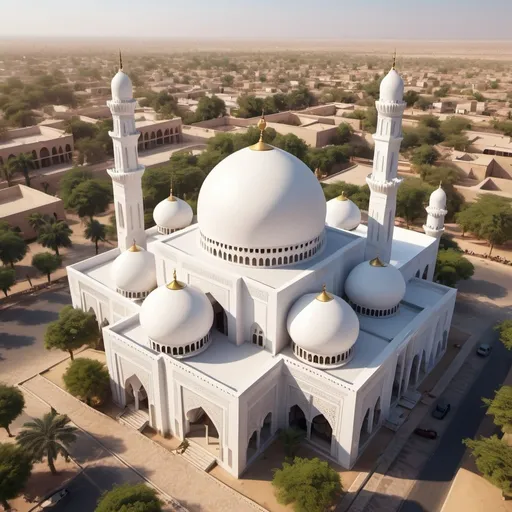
(175, 284)
(120, 61)
(342, 196)
(393, 66)
(260, 145)
(171, 197)
(324, 296)
(376, 262)
(134, 247)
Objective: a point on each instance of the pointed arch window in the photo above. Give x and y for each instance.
(257, 336)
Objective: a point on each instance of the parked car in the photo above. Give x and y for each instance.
(426, 432)
(54, 499)
(484, 349)
(441, 410)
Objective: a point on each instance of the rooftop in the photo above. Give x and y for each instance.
(20, 198)
(31, 135)
(187, 241)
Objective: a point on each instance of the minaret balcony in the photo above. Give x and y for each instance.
(382, 186)
(125, 107)
(436, 212)
(432, 231)
(389, 108)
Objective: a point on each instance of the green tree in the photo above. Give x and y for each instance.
(12, 247)
(424, 102)
(81, 129)
(310, 484)
(47, 437)
(96, 232)
(505, 330)
(88, 380)
(90, 198)
(55, 234)
(425, 154)
(292, 144)
(73, 329)
(37, 220)
(249, 106)
(493, 459)
(130, 498)
(343, 134)
(210, 108)
(7, 279)
(451, 267)
(411, 97)
(291, 439)
(6, 173)
(411, 198)
(70, 181)
(23, 164)
(15, 469)
(501, 408)
(91, 151)
(12, 404)
(46, 263)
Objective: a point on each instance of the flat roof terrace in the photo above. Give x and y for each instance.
(31, 135)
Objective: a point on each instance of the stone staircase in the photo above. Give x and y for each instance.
(410, 399)
(134, 419)
(199, 457)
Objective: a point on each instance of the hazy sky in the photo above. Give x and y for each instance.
(268, 19)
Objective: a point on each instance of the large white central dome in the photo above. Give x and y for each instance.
(261, 200)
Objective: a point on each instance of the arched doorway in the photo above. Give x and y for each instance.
(252, 446)
(363, 433)
(220, 319)
(146, 140)
(413, 378)
(266, 429)
(44, 154)
(376, 413)
(136, 395)
(55, 156)
(425, 273)
(321, 432)
(35, 159)
(61, 155)
(395, 393)
(159, 137)
(297, 419)
(69, 153)
(417, 274)
(200, 428)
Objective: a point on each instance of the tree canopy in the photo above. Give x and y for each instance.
(310, 484)
(130, 498)
(411, 198)
(46, 263)
(209, 108)
(425, 154)
(501, 408)
(88, 380)
(489, 217)
(70, 181)
(493, 459)
(12, 247)
(15, 469)
(54, 234)
(505, 330)
(7, 279)
(73, 329)
(96, 232)
(12, 404)
(451, 267)
(90, 197)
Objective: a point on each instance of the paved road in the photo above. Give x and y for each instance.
(22, 327)
(436, 477)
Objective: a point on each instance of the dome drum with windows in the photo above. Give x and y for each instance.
(263, 207)
(177, 319)
(323, 329)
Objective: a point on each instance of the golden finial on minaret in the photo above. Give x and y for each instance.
(260, 145)
(376, 262)
(134, 247)
(175, 284)
(324, 296)
(394, 60)
(120, 61)
(342, 196)
(171, 197)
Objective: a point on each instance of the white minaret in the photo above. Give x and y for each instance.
(127, 173)
(383, 180)
(436, 212)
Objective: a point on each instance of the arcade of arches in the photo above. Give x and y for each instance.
(317, 431)
(167, 133)
(200, 428)
(45, 156)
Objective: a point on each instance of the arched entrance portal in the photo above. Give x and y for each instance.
(220, 319)
(364, 434)
(321, 432)
(297, 419)
(136, 395)
(201, 429)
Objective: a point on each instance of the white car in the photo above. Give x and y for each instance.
(484, 349)
(54, 499)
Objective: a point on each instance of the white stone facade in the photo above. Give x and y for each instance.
(232, 394)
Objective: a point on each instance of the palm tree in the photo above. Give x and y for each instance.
(96, 232)
(6, 173)
(37, 220)
(54, 234)
(22, 163)
(47, 437)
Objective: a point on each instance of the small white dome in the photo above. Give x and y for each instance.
(134, 270)
(375, 285)
(172, 213)
(322, 324)
(121, 86)
(342, 213)
(438, 199)
(261, 199)
(176, 314)
(392, 87)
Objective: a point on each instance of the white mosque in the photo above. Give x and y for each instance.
(275, 309)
